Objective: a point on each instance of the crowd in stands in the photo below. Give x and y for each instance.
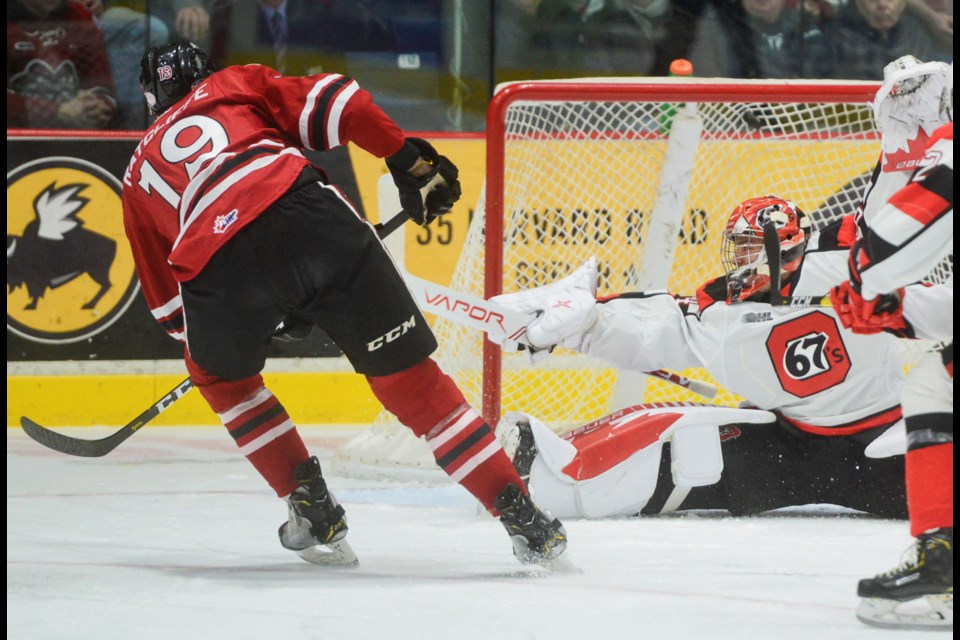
(75, 63)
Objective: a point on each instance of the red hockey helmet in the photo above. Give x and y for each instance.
(744, 257)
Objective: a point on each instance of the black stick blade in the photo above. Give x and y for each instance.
(771, 245)
(72, 446)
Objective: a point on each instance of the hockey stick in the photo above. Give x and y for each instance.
(98, 448)
(490, 317)
(384, 229)
(771, 246)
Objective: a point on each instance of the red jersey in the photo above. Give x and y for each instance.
(216, 160)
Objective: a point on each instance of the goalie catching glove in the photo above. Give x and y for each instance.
(566, 311)
(867, 315)
(427, 181)
(915, 98)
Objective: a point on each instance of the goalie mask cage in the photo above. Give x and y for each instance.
(641, 174)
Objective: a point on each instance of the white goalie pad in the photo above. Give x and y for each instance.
(610, 467)
(696, 459)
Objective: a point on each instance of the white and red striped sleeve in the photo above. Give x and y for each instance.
(910, 234)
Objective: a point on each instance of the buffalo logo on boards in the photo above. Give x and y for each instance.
(70, 271)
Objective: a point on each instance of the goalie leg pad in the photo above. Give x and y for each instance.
(696, 456)
(611, 466)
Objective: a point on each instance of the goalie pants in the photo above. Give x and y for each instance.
(769, 467)
(313, 256)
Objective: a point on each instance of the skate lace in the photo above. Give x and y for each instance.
(908, 562)
(521, 515)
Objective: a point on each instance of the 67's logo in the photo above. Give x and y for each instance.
(808, 354)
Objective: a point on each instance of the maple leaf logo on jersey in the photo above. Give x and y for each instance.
(908, 156)
(222, 223)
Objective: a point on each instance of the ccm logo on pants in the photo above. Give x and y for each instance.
(393, 334)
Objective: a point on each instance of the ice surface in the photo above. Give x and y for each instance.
(174, 536)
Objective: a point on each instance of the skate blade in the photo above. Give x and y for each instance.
(931, 613)
(335, 554)
(561, 564)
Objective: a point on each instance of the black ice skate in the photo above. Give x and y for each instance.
(916, 595)
(317, 523)
(537, 537)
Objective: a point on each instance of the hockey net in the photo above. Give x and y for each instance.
(642, 175)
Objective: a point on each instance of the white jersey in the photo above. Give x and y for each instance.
(908, 219)
(800, 362)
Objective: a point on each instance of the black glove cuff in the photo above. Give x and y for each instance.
(404, 159)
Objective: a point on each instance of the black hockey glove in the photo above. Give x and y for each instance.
(431, 194)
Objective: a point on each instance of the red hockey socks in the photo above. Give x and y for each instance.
(930, 488)
(428, 402)
(258, 423)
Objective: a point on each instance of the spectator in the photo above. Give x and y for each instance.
(304, 36)
(190, 20)
(595, 37)
(938, 16)
(870, 33)
(128, 31)
(58, 74)
(767, 44)
(681, 28)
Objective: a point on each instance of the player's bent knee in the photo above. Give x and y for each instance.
(222, 395)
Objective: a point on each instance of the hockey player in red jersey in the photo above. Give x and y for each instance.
(831, 392)
(235, 233)
(905, 237)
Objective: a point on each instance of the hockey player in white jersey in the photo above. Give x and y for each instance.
(905, 237)
(829, 391)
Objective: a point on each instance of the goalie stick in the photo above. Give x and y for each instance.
(99, 448)
(771, 246)
(490, 317)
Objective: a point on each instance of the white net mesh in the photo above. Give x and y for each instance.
(582, 173)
